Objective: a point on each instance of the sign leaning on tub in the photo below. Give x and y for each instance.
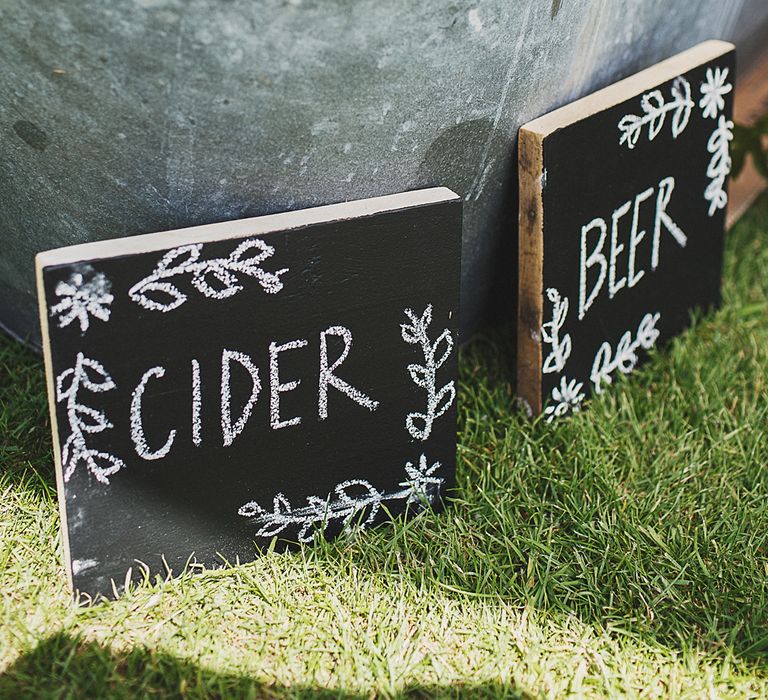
(286, 376)
(622, 216)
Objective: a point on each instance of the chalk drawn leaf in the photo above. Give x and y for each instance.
(444, 398)
(94, 377)
(652, 104)
(681, 92)
(216, 278)
(550, 333)
(281, 504)
(446, 340)
(419, 375)
(355, 490)
(408, 332)
(103, 465)
(90, 420)
(630, 127)
(65, 384)
(66, 447)
(655, 110)
(719, 166)
(264, 251)
(251, 510)
(353, 503)
(426, 317)
(435, 354)
(272, 528)
(216, 283)
(87, 374)
(411, 423)
(180, 257)
(164, 297)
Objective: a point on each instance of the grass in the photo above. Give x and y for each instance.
(623, 552)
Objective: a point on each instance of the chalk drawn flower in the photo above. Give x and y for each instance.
(712, 92)
(83, 295)
(567, 399)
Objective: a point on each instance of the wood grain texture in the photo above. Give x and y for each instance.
(530, 261)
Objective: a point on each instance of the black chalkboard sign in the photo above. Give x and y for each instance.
(284, 377)
(622, 211)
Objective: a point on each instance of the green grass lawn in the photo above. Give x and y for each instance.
(623, 552)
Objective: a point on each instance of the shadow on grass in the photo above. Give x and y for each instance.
(64, 666)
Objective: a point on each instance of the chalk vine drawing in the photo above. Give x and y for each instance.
(438, 401)
(625, 358)
(719, 165)
(712, 92)
(354, 502)
(550, 333)
(87, 374)
(216, 278)
(567, 398)
(655, 111)
(86, 293)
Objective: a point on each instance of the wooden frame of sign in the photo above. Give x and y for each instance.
(287, 376)
(621, 222)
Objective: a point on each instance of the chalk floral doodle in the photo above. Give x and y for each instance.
(625, 358)
(217, 278)
(86, 293)
(419, 425)
(566, 398)
(87, 374)
(550, 333)
(354, 503)
(719, 165)
(655, 110)
(712, 91)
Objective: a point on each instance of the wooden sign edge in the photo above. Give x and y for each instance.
(530, 272)
(241, 228)
(51, 391)
(150, 242)
(618, 92)
(531, 174)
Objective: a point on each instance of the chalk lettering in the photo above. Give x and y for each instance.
(276, 388)
(137, 426)
(328, 378)
(229, 431)
(608, 267)
(635, 237)
(596, 257)
(662, 200)
(616, 248)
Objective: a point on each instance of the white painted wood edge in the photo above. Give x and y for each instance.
(632, 86)
(241, 228)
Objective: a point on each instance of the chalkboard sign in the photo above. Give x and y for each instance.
(288, 376)
(622, 209)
